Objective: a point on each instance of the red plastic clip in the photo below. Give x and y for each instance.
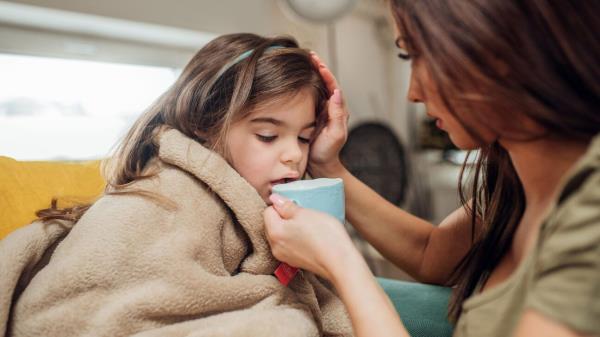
(285, 273)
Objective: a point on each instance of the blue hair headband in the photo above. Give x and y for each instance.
(241, 57)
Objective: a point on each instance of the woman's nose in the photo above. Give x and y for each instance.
(414, 94)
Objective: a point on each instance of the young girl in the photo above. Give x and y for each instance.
(176, 244)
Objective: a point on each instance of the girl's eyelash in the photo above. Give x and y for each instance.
(266, 139)
(304, 140)
(269, 139)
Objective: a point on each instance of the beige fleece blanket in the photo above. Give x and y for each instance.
(196, 266)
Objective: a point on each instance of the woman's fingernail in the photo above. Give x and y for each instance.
(277, 199)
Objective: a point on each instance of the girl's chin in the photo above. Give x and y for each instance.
(266, 200)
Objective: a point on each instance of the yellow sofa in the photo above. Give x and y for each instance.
(28, 186)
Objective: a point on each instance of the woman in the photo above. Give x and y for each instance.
(520, 81)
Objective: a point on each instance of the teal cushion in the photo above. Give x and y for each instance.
(423, 308)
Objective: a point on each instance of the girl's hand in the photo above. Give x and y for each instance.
(308, 239)
(324, 154)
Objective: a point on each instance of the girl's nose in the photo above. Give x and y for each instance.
(292, 153)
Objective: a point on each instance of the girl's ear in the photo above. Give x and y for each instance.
(160, 129)
(202, 137)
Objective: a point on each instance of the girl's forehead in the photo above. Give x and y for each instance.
(282, 102)
(298, 108)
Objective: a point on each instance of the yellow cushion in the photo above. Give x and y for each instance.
(28, 186)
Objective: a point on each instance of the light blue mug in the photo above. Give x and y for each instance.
(322, 194)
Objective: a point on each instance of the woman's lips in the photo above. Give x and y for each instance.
(439, 123)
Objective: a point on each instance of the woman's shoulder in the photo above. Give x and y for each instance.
(564, 286)
(579, 198)
(574, 224)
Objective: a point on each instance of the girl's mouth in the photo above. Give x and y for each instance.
(282, 181)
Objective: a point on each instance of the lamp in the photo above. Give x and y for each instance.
(319, 11)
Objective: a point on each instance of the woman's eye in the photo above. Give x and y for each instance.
(404, 56)
(266, 139)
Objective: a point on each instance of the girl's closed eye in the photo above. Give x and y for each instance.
(304, 140)
(265, 138)
(269, 139)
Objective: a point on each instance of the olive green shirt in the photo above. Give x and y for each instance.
(560, 277)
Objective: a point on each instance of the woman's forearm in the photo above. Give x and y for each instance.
(371, 311)
(401, 237)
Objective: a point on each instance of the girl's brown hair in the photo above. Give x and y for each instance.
(227, 79)
(493, 62)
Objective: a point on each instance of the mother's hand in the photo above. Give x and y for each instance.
(308, 239)
(324, 154)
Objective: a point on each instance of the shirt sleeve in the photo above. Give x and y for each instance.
(566, 282)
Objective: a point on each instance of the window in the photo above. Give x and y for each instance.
(64, 109)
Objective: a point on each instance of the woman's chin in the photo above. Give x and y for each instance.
(464, 143)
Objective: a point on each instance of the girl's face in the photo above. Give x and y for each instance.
(270, 145)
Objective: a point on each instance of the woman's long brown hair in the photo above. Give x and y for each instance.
(211, 93)
(492, 62)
